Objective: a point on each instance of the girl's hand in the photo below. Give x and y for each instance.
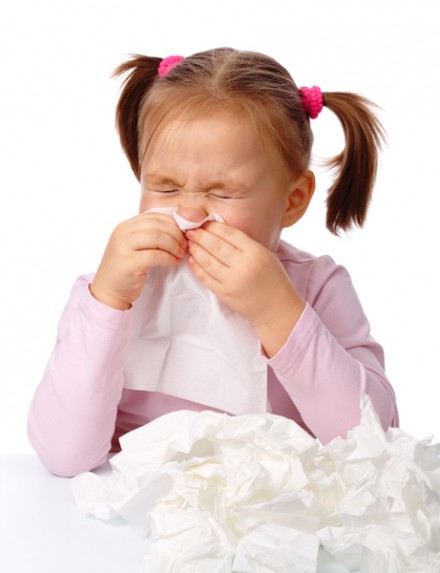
(248, 278)
(135, 246)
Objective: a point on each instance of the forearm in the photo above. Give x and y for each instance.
(279, 320)
(325, 379)
(72, 416)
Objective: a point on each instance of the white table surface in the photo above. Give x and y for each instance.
(42, 531)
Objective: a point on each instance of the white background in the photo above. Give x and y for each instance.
(65, 183)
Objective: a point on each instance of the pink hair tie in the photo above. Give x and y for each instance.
(313, 101)
(167, 64)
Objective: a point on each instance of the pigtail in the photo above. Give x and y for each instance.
(143, 71)
(349, 197)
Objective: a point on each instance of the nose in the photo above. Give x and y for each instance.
(192, 209)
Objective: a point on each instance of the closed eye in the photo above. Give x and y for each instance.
(221, 196)
(225, 195)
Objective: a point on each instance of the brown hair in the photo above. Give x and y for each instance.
(257, 85)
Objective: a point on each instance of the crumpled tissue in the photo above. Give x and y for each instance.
(257, 494)
(186, 343)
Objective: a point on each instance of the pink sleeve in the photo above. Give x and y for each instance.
(72, 415)
(330, 359)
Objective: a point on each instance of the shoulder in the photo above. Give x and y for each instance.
(288, 254)
(308, 272)
(327, 287)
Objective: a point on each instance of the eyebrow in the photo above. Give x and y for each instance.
(159, 180)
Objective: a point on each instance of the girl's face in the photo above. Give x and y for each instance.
(217, 164)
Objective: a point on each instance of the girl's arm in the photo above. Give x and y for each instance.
(330, 358)
(73, 413)
(310, 323)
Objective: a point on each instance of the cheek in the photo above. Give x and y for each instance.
(238, 218)
(143, 203)
(147, 201)
(258, 226)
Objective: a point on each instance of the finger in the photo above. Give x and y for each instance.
(166, 223)
(235, 237)
(143, 232)
(208, 262)
(157, 258)
(145, 221)
(155, 239)
(217, 246)
(210, 281)
(143, 261)
(168, 226)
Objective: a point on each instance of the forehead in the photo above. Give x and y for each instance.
(218, 127)
(163, 132)
(202, 149)
(165, 105)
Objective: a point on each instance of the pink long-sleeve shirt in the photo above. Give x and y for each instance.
(316, 379)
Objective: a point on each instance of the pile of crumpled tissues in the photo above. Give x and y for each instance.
(255, 493)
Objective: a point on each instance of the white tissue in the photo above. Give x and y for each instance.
(186, 343)
(257, 494)
(185, 224)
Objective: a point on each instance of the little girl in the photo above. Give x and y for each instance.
(224, 132)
